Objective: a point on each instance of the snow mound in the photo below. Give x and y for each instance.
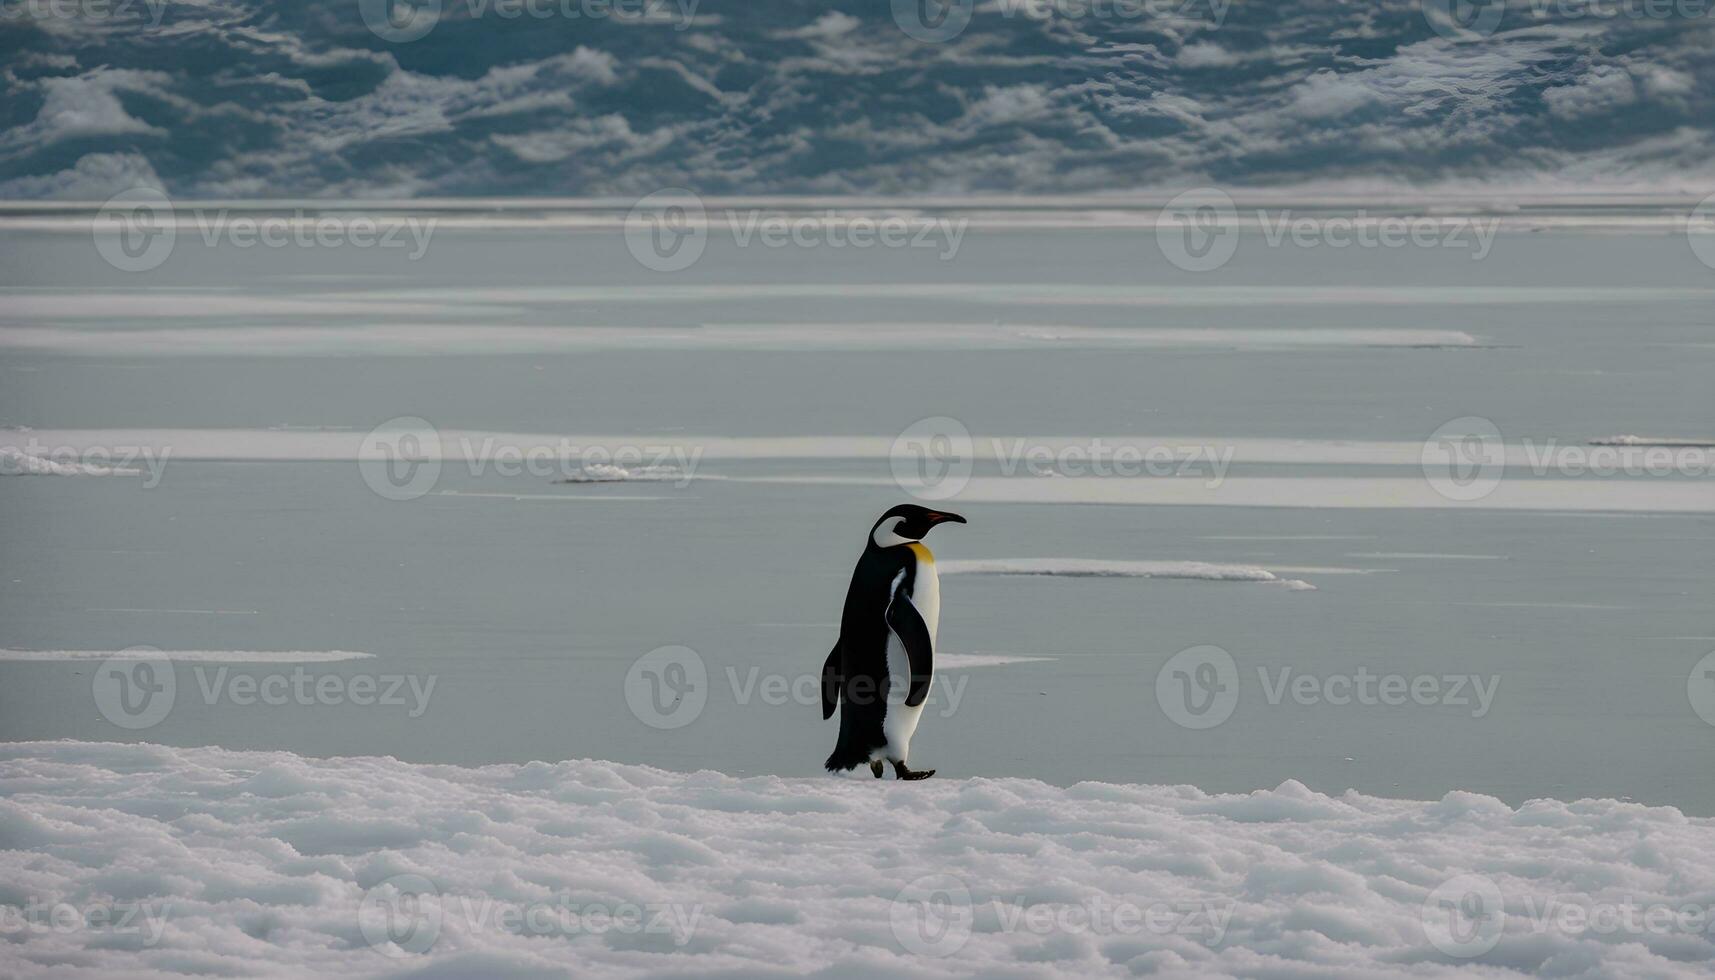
(1103, 568)
(19, 463)
(271, 864)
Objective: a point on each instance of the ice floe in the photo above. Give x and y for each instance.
(1110, 568)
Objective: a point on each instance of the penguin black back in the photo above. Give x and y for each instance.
(893, 576)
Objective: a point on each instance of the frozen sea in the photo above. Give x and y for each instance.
(1580, 602)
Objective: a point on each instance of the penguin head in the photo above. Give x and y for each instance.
(907, 523)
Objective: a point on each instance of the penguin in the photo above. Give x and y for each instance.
(879, 671)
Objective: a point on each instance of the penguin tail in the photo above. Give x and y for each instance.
(852, 749)
(845, 758)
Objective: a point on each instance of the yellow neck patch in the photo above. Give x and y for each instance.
(922, 552)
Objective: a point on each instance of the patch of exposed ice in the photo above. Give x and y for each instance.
(1107, 568)
(269, 863)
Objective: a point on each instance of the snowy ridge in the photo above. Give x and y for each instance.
(1675, 443)
(258, 863)
(1104, 568)
(611, 473)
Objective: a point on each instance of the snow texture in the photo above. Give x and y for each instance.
(271, 864)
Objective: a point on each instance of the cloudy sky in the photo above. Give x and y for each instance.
(327, 98)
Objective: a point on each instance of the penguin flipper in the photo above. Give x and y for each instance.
(907, 624)
(831, 683)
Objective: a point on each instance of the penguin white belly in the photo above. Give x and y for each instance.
(900, 721)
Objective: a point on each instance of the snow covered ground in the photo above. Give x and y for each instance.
(149, 860)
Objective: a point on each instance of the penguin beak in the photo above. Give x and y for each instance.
(938, 517)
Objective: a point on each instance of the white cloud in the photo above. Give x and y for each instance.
(1603, 89)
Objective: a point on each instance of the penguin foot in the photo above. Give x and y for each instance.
(901, 772)
(875, 767)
